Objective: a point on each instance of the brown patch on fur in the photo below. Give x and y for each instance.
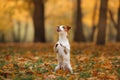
(56, 45)
(65, 51)
(64, 48)
(67, 28)
(61, 45)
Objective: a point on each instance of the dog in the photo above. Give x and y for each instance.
(62, 48)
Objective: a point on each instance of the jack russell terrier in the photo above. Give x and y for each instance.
(62, 48)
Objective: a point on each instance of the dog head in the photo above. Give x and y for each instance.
(63, 28)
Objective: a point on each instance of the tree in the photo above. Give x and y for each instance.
(17, 38)
(102, 23)
(78, 33)
(118, 24)
(25, 33)
(38, 19)
(93, 20)
(2, 37)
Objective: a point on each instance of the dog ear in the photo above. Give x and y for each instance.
(58, 29)
(68, 28)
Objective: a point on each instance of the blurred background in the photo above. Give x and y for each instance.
(96, 21)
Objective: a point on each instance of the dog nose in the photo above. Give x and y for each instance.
(58, 29)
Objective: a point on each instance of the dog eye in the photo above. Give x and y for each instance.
(63, 27)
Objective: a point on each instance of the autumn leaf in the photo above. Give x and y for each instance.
(26, 64)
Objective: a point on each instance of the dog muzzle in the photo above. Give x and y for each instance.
(58, 30)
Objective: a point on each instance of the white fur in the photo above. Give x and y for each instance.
(62, 48)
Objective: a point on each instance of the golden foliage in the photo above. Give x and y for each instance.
(13, 10)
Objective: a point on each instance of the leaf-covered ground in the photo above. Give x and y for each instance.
(37, 62)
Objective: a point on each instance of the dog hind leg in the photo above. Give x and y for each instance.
(57, 68)
(69, 68)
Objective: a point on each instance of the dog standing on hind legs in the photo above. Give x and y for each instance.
(62, 48)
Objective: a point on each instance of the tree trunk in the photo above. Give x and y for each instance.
(38, 19)
(25, 33)
(93, 33)
(19, 31)
(102, 23)
(93, 21)
(18, 37)
(112, 19)
(118, 24)
(13, 34)
(78, 34)
(2, 37)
